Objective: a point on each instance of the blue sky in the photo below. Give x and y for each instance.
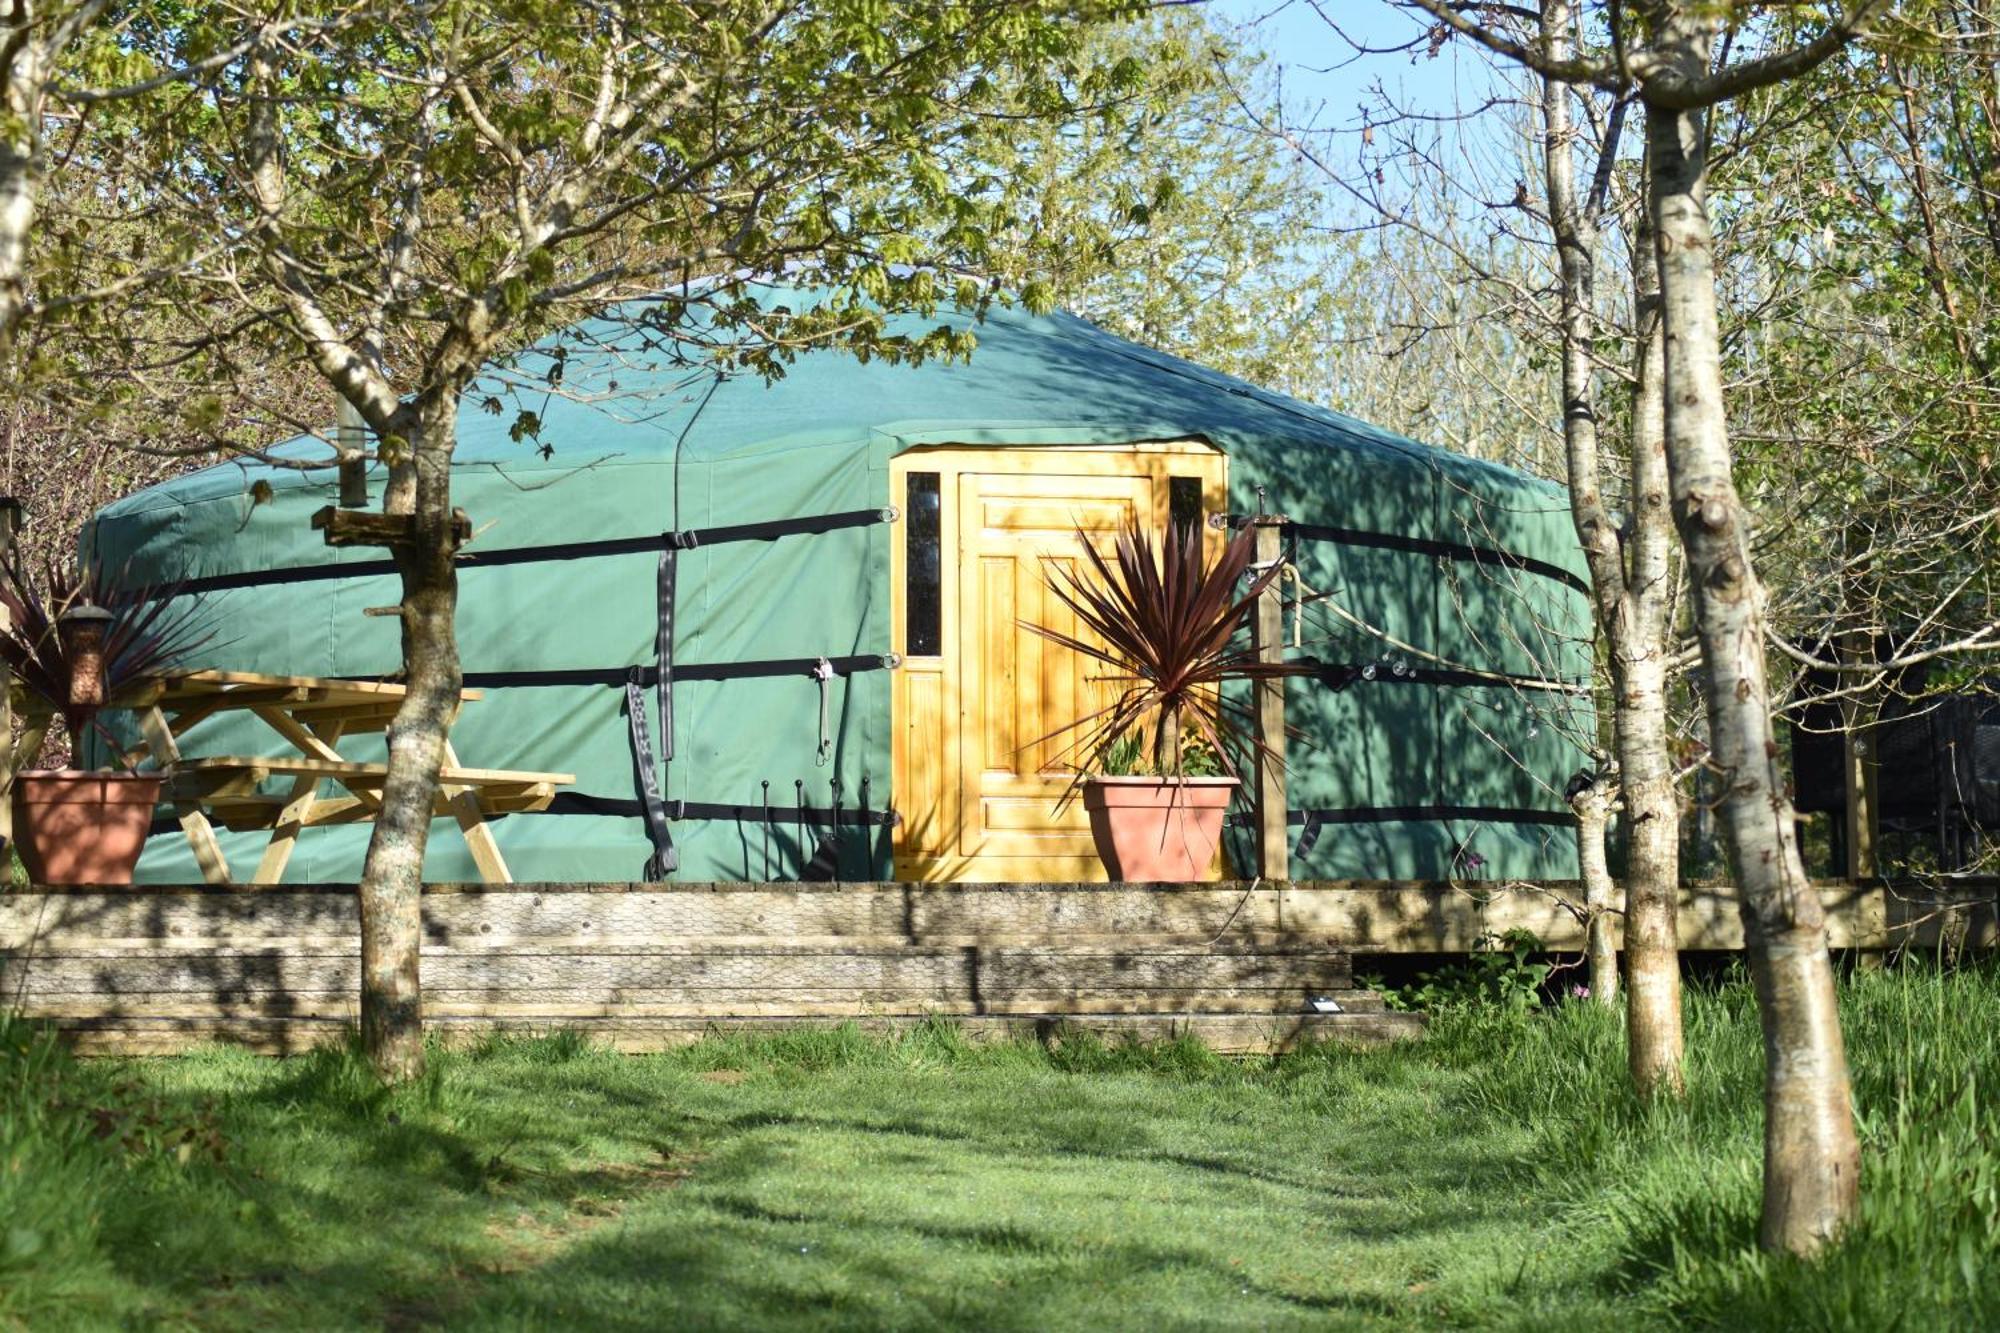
(1320, 67)
(1326, 81)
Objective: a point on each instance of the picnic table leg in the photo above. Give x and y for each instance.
(200, 834)
(285, 832)
(464, 804)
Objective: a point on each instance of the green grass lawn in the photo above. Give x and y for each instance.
(1495, 1175)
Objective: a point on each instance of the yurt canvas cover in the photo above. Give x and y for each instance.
(1439, 731)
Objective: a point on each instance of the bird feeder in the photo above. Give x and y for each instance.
(81, 630)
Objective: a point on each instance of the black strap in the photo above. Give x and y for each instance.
(619, 676)
(581, 803)
(663, 648)
(1390, 541)
(769, 530)
(1310, 837)
(664, 859)
(626, 807)
(1340, 675)
(1390, 814)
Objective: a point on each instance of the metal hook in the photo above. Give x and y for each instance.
(823, 673)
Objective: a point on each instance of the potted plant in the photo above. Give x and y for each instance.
(74, 652)
(1154, 765)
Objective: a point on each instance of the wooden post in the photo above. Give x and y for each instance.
(464, 803)
(1274, 848)
(10, 526)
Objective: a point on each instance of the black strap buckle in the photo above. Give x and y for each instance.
(664, 859)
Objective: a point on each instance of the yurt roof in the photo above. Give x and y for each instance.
(1033, 379)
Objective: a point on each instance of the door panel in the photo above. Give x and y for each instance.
(1021, 688)
(978, 773)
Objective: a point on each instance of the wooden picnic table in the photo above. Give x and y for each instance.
(312, 715)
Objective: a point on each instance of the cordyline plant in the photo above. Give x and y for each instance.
(1165, 621)
(148, 631)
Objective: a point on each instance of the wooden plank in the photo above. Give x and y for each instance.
(463, 801)
(250, 811)
(1274, 839)
(337, 1005)
(364, 527)
(158, 978)
(178, 724)
(290, 819)
(299, 736)
(210, 679)
(207, 851)
(201, 785)
(359, 719)
(348, 772)
(212, 699)
(1233, 1035)
(145, 965)
(285, 826)
(226, 937)
(311, 744)
(773, 970)
(1354, 915)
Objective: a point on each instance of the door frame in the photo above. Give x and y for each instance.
(925, 778)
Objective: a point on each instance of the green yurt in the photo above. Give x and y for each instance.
(812, 591)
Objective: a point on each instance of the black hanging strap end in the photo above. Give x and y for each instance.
(1309, 837)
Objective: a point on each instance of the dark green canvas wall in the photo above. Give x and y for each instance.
(672, 448)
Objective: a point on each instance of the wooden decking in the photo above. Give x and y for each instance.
(645, 966)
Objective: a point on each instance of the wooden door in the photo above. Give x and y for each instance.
(977, 778)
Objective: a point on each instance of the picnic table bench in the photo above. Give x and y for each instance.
(312, 715)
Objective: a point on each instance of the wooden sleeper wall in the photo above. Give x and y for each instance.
(143, 970)
(645, 966)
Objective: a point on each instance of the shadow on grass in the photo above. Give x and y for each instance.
(537, 1185)
(733, 1264)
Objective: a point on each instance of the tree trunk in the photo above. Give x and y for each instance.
(20, 172)
(1858, 767)
(392, 878)
(1654, 1043)
(1652, 881)
(1811, 1156)
(1629, 607)
(1600, 893)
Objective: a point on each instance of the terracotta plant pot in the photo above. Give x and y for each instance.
(1157, 829)
(73, 827)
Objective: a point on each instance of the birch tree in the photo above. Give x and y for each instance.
(1667, 52)
(33, 38)
(446, 181)
(1632, 574)
(1431, 195)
